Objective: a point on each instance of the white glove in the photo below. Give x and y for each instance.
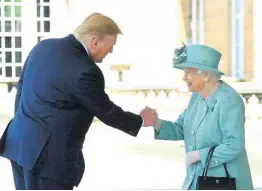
(157, 124)
(192, 157)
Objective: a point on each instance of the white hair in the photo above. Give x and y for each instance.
(214, 76)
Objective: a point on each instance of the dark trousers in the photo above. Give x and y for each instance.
(31, 180)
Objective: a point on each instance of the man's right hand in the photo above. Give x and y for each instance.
(148, 116)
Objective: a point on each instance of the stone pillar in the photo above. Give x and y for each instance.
(257, 42)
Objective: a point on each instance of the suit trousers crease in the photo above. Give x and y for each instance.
(31, 180)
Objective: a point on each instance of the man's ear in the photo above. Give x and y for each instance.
(94, 42)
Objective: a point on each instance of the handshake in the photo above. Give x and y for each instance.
(150, 118)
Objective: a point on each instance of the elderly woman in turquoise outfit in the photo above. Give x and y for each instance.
(214, 116)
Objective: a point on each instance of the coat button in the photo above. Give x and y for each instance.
(191, 148)
(192, 132)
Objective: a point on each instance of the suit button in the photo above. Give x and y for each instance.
(191, 148)
(205, 109)
(192, 132)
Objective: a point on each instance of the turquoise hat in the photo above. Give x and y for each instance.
(197, 56)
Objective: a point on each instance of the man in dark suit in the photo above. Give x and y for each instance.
(59, 93)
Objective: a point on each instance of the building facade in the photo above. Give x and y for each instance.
(228, 25)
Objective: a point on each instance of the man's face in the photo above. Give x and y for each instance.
(101, 47)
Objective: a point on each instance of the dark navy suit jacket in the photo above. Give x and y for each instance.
(59, 92)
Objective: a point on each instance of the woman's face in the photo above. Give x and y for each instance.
(195, 81)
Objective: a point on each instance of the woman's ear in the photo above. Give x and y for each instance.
(207, 77)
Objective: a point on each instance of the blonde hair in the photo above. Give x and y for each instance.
(97, 25)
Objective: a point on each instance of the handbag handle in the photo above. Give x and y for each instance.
(209, 156)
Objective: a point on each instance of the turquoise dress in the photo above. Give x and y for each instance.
(218, 120)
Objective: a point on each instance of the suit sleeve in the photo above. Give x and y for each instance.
(89, 90)
(19, 88)
(232, 119)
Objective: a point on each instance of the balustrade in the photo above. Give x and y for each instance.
(170, 102)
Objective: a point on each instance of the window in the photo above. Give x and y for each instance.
(237, 36)
(197, 21)
(43, 18)
(10, 40)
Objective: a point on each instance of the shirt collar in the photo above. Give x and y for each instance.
(83, 45)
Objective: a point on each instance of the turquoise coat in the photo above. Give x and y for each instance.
(218, 120)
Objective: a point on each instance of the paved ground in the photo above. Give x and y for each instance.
(115, 161)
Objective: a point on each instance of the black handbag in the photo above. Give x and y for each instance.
(2, 139)
(205, 182)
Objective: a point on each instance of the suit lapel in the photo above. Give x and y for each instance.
(203, 109)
